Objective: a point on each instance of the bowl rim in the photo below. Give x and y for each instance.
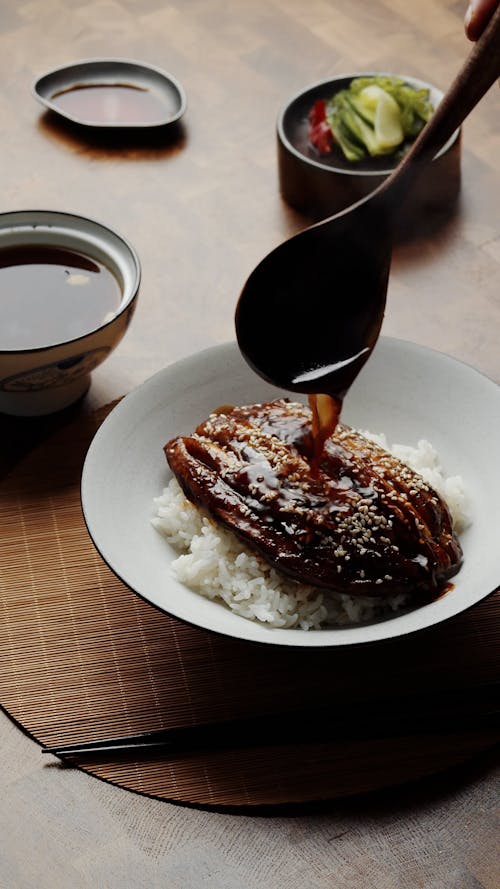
(227, 347)
(328, 168)
(93, 222)
(116, 60)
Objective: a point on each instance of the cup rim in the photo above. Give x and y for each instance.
(61, 215)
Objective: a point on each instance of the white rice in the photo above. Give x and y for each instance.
(216, 564)
(425, 460)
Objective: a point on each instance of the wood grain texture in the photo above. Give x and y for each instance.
(201, 212)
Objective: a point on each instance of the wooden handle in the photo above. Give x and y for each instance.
(477, 75)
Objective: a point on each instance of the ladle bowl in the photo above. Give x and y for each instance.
(310, 313)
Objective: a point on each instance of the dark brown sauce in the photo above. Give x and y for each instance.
(50, 295)
(447, 588)
(325, 411)
(360, 521)
(113, 103)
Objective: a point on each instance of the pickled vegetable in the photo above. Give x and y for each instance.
(375, 116)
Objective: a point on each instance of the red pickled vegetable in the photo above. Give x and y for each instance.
(320, 134)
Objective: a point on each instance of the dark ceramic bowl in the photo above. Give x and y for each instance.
(321, 186)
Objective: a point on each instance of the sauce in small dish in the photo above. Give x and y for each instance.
(112, 93)
(114, 104)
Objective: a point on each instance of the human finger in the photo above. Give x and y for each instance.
(478, 16)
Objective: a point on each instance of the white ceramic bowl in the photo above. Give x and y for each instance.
(407, 391)
(46, 379)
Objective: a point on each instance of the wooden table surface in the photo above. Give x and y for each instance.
(201, 212)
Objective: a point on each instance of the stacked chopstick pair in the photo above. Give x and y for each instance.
(443, 712)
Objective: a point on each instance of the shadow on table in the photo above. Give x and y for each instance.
(20, 435)
(132, 143)
(408, 797)
(435, 224)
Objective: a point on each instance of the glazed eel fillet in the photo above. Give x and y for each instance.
(361, 522)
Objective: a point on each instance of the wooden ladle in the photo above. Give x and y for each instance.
(310, 313)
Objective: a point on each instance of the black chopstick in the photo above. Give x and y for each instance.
(448, 712)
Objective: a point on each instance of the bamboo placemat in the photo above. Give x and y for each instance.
(83, 658)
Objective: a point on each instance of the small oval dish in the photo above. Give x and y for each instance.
(112, 93)
(321, 185)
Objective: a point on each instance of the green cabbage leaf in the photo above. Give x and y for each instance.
(377, 115)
